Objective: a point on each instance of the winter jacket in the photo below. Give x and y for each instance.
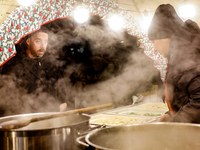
(33, 73)
(183, 75)
(36, 81)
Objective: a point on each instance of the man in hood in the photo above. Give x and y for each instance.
(179, 43)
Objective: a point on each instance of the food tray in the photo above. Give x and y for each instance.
(153, 106)
(137, 112)
(113, 120)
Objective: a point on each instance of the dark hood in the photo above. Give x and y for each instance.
(184, 50)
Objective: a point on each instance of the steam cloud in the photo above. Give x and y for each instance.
(104, 66)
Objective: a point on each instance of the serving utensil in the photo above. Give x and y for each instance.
(15, 124)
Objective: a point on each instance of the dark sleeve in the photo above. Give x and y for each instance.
(190, 112)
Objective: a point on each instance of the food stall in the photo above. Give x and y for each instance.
(115, 77)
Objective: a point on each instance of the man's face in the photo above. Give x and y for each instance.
(37, 44)
(162, 45)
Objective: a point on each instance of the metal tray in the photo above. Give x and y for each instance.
(113, 120)
(137, 112)
(146, 109)
(153, 106)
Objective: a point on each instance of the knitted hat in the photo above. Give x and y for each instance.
(164, 23)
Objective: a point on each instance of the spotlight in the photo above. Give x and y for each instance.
(25, 2)
(146, 20)
(145, 23)
(116, 22)
(187, 11)
(81, 14)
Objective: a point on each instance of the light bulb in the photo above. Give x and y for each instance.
(25, 2)
(187, 11)
(81, 14)
(115, 22)
(145, 23)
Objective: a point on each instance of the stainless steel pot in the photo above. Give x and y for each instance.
(153, 136)
(52, 134)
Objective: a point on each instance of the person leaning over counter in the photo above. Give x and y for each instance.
(179, 43)
(33, 67)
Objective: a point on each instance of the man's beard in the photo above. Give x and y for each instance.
(37, 53)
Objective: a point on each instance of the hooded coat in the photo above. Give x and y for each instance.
(183, 75)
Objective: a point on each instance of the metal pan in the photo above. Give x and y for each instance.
(152, 136)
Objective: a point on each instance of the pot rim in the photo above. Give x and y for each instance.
(43, 129)
(124, 126)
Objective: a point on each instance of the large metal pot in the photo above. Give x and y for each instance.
(154, 136)
(52, 134)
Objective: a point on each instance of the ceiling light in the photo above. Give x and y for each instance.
(145, 20)
(187, 11)
(81, 14)
(116, 22)
(25, 2)
(145, 23)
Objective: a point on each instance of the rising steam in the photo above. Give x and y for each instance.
(97, 65)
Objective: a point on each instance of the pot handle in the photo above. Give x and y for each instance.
(78, 140)
(79, 133)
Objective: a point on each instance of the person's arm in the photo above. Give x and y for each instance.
(190, 112)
